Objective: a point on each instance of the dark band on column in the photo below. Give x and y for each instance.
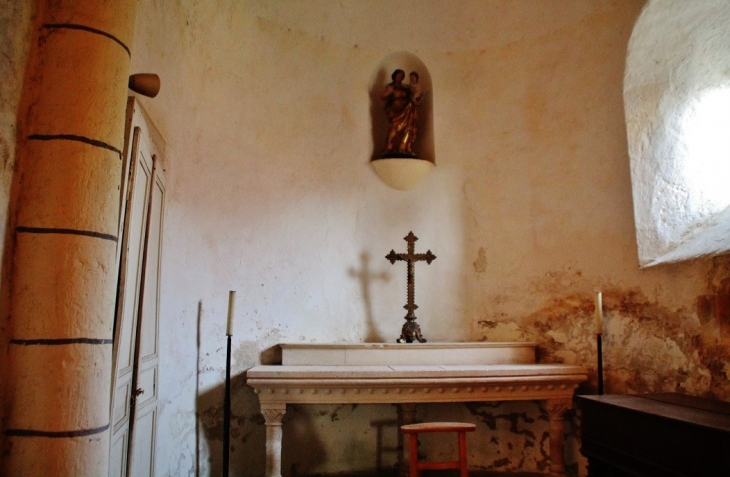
(55, 434)
(62, 341)
(74, 137)
(73, 26)
(85, 233)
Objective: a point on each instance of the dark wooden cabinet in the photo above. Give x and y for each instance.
(655, 435)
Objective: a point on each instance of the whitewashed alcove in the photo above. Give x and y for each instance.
(677, 99)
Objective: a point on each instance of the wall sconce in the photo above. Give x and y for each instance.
(146, 84)
(401, 109)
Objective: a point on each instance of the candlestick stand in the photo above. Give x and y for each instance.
(599, 345)
(227, 411)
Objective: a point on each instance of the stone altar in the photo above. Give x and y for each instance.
(408, 374)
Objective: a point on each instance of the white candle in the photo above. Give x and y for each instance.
(231, 307)
(599, 313)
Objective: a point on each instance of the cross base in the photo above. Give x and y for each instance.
(411, 332)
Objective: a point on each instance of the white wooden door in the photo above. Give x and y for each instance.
(144, 405)
(134, 388)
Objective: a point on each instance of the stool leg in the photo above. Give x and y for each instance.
(462, 454)
(413, 455)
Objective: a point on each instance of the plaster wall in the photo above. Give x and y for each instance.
(265, 110)
(677, 95)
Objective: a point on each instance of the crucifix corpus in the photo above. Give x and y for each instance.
(411, 331)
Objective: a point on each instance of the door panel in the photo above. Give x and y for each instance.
(134, 401)
(142, 445)
(146, 383)
(128, 294)
(118, 454)
(132, 256)
(145, 425)
(120, 413)
(150, 304)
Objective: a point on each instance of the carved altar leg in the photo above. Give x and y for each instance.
(556, 412)
(406, 415)
(273, 413)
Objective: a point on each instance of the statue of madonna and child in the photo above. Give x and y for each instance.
(401, 107)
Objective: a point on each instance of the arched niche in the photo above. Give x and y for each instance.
(401, 173)
(677, 102)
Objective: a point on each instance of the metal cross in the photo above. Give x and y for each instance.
(411, 331)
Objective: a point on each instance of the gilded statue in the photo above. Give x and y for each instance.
(401, 107)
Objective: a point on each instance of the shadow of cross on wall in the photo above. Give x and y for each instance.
(366, 278)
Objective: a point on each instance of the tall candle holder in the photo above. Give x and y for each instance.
(227, 398)
(599, 339)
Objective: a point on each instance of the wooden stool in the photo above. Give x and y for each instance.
(415, 429)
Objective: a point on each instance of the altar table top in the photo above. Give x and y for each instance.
(384, 384)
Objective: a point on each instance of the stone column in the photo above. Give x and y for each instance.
(556, 414)
(273, 415)
(65, 205)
